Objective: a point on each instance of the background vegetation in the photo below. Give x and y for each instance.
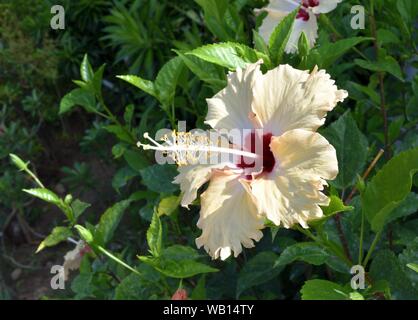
(63, 107)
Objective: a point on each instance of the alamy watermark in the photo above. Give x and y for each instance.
(58, 20)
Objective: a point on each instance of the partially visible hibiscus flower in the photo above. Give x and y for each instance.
(305, 19)
(288, 106)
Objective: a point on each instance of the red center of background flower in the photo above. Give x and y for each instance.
(250, 145)
(303, 13)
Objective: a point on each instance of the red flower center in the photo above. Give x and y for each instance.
(251, 141)
(303, 13)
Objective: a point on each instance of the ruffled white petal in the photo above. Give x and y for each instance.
(286, 98)
(283, 5)
(228, 217)
(230, 108)
(309, 27)
(291, 193)
(192, 177)
(325, 6)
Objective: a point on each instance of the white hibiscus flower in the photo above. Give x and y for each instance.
(288, 105)
(305, 20)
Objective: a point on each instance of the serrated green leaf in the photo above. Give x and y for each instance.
(222, 54)
(109, 221)
(388, 188)
(79, 207)
(413, 266)
(323, 290)
(280, 36)
(179, 269)
(325, 55)
(78, 97)
(335, 206)
(120, 132)
(258, 270)
(159, 178)
(84, 233)
(168, 205)
(385, 266)
(308, 252)
(155, 235)
(145, 85)
(387, 64)
(407, 258)
(50, 197)
(204, 70)
(167, 79)
(86, 71)
(57, 235)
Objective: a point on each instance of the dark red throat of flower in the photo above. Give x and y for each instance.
(250, 145)
(303, 13)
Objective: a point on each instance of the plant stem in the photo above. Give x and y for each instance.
(341, 235)
(113, 118)
(360, 250)
(381, 82)
(326, 244)
(365, 174)
(371, 249)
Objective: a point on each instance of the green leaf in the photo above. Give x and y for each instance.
(122, 177)
(387, 64)
(97, 80)
(385, 266)
(308, 252)
(78, 97)
(138, 286)
(57, 235)
(168, 205)
(120, 132)
(204, 70)
(136, 160)
(258, 270)
(85, 234)
(323, 290)
(109, 221)
(413, 266)
(179, 252)
(336, 205)
(159, 178)
(356, 296)
(145, 85)
(199, 292)
(214, 15)
(166, 81)
(179, 269)
(388, 188)
(79, 207)
(407, 207)
(328, 53)
(407, 258)
(86, 71)
(50, 197)
(155, 235)
(280, 36)
(223, 54)
(347, 140)
(385, 36)
(19, 163)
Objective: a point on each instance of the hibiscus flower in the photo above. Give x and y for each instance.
(287, 106)
(305, 19)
